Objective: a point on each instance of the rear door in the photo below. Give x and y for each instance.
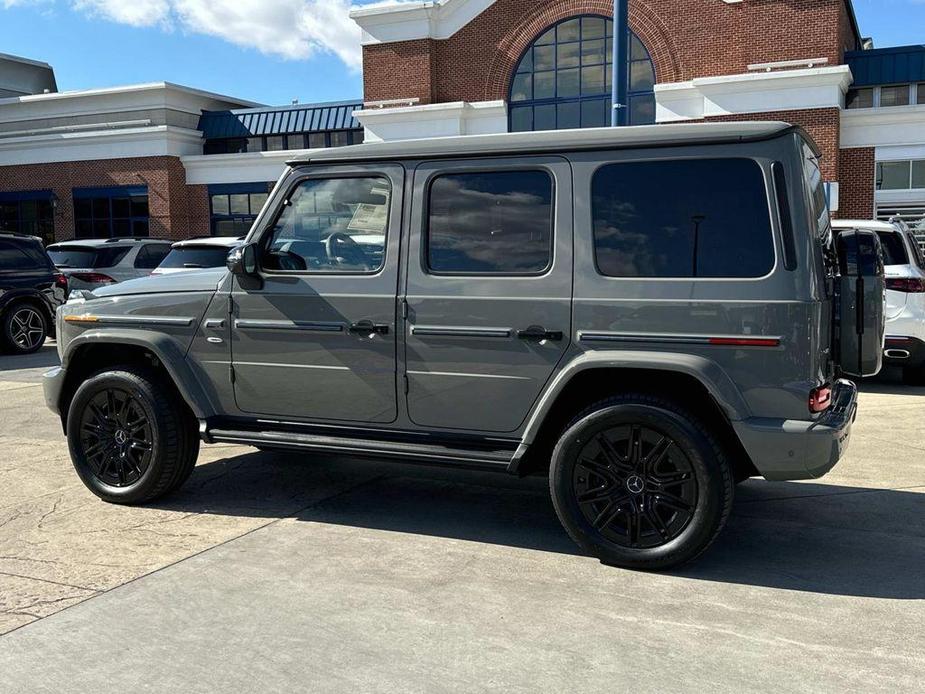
(489, 289)
(316, 337)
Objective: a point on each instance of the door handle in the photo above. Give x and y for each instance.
(367, 327)
(537, 334)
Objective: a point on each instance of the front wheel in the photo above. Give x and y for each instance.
(640, 483)
(131, 437)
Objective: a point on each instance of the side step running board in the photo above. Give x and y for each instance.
(395, 450)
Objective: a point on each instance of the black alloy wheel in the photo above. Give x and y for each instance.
(635, 486)
(117, 438)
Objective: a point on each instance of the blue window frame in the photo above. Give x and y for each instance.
(106, 213)
(565, 78)
(29, 212)
(235, 206)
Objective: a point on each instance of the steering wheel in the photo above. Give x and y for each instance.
(350, 251)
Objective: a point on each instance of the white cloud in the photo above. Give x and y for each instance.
(292, 29)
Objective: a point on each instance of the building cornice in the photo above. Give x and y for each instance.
(883, 127)
(249, 167)
(123, 143)
(434, 120)
(757, 92)
(408, 21)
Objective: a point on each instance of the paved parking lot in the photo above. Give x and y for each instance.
(277, 574)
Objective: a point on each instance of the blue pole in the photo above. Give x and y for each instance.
(620, 68)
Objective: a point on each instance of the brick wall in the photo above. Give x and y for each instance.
(177, 210)
(687, 38)
(822, 124)
(856, 176)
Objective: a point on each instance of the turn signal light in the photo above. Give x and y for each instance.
(93, 278)
(820, 399)
(906, 285)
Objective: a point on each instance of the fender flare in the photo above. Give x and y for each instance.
(707, 372)
(170, 353)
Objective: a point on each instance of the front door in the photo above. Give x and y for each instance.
(315, 339)
(489, 289)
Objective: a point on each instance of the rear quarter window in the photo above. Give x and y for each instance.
(15, 257)
(682, 219)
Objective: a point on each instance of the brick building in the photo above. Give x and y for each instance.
(175, 162)
(477, 66)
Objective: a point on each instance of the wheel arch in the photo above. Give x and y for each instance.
(31, 297)
(693, 381)
(94, 351)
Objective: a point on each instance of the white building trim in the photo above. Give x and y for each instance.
(150, 141)
(407, 21)
(136, 97)
(883, 127)
(434, 120)
(249, 167)
(809, 88)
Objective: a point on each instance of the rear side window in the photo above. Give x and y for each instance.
(195, 257)
(87, 256)
(13, 257)
(893, 251)
(493, 223)
(694, 218)
(150, 256)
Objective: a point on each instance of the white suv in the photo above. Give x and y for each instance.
(93, 263)
(905, 296)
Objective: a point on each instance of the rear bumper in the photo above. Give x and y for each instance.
(904, 351)
(787, 449)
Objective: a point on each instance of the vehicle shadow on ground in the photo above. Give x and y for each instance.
(807, 537)
(889, 382)
(45, 358)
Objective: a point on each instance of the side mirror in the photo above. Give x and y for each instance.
(860, 310)
(242, 261)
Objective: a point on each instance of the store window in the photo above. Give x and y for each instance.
(860, 98)
(280, 143)
(29, 212)
(102, 213)
(564, 80)
(901, 175)
(235, 207)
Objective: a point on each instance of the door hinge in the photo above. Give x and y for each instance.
(230, 305)
(404, 309)
(231, 373)
(407, 384)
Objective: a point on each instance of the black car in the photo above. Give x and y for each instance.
(31, 288)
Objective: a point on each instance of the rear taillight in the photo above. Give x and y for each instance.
(93, 278)
(906, 285)
(61, 281)
(820, 399)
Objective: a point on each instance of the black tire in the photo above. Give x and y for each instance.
(131, 437)
(914, 376)
(595, 483)
(24, 328)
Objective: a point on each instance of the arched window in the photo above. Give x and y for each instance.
(564, 80)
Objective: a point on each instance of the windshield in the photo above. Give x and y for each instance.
(195, 257)
(87, 256)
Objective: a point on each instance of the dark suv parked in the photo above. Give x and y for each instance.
(31, 289)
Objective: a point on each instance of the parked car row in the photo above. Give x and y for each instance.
(34, 281)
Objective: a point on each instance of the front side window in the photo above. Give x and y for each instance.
(490, 223)
(680, 219)
(334, 225)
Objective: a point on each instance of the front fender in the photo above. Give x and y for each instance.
(170, 352)
(706, 371)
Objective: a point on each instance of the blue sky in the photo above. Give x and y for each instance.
(269, 51)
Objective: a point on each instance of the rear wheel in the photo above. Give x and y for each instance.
(640, 483)
(24, 329)
(131, 438)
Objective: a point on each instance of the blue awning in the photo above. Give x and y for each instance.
(881, 66)
(283, 120)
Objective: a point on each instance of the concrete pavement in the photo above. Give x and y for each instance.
(267, 573)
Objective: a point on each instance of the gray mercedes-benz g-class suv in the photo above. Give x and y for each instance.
(649, 314)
